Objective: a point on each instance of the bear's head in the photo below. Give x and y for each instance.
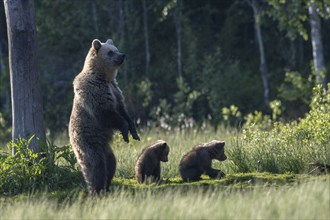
(104, 59)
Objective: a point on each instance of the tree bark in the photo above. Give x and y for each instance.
(293, 59)
(27, 111)
(146, 35)
(316, 37)
(179, 37)
(263, 63)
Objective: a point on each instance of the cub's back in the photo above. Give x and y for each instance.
(191, 158)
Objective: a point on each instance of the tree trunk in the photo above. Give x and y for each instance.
(27, 112)
(316, 37)
(293, 59)
(178, 37)
(263, 64)
(146, 35)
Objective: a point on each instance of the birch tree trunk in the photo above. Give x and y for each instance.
(27, 111)
(146, 35)
(263, 64)
(316, 37)
(179, 37)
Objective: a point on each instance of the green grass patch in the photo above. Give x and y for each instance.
(238, 179)
(299, 197)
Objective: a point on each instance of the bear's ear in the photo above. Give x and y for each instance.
(96, 44)
(163, 146)
(109, 41)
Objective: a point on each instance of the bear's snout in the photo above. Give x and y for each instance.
(120, 59)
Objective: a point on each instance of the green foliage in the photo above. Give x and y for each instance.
(231, 114)
(258, 120)
(287, 147)
(296, 88)
(5, 130)
(144, 91)
(291, 16)
(277, 109)
(26, 171)
(176, 114)
(224, 82)
(219, 59)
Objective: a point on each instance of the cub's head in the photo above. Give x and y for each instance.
(217, 149)
(104, 58)
(162, 150)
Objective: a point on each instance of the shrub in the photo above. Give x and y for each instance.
(287, 147)
(54, 168)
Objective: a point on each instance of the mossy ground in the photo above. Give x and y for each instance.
(238, 181)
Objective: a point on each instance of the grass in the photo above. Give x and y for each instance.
(308, 199)
(179, 142)
(240, 195)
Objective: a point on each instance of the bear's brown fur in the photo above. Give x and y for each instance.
(98, 109)
(148, 164)
(199, 161)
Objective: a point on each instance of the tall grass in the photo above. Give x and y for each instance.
(279, 149)
(308, 200)
(180, 142)
(287, 147)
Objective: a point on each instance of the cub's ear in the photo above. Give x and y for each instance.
(164, 146)
(96, 44)
(109, 41)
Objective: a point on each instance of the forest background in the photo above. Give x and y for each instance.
(188, 62)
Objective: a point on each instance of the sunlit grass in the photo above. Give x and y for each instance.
(256, 195)
(179, 141)
(307, 200)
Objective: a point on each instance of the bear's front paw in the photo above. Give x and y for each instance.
(221, 174)
(124, 132)
(133, 132)
(125, 137)
(135, 136)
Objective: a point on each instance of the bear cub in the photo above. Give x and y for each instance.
(198, 161)
(147, 167)
(98, 109)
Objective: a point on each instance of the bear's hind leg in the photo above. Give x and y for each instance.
(190, 174)
(110, 162)
(94, 170)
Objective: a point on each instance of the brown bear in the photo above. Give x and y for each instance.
(147, 166)
(98, 110)
(199, 161)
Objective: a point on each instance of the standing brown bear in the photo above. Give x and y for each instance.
(98, 110)
(199, 161)
(148, 164)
